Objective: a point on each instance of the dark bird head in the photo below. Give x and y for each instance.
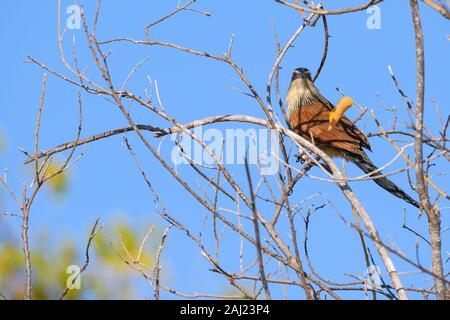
(301, 73)
(302, 90)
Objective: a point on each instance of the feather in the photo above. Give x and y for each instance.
(309, 116)
(363, 162)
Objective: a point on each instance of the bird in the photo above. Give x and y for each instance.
(308, 113)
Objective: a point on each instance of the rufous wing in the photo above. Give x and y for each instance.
(313, 120)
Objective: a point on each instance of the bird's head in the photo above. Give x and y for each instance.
(301, 73)
(301, 80)
(302, 90)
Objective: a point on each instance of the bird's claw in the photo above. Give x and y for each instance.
(300, 157)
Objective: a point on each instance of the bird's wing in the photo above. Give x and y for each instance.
(314, 120)
(347, 123)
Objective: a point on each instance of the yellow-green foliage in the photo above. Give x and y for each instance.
(107, 276)
(58, 184)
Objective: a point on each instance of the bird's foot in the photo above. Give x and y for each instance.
(301, 157)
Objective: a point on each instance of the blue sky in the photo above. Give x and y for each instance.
(106, 183)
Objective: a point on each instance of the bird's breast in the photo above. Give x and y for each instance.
(299, 95)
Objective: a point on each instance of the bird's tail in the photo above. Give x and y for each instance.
(364, 163)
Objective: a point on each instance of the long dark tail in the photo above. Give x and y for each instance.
(364, 163)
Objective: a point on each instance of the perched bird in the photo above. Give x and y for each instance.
(309, 116)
